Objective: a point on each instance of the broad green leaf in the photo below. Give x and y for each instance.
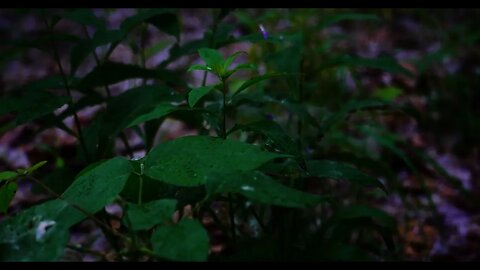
(330, 20)
(186, 160)
(184, 241)
(110, 73)
(197, 93)
(58, 180)
(7, 175)
(38, 104)
(84, 16)
(275, 133)
(260, 188)
(341, 171)
(7, 192)
(36, 166)
(213, 59)
(256, 80)
(134, 106)
(99, 186)
(32, 105)
(145, 216)
(36, 234)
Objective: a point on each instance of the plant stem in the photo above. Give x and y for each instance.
(67, 87)
(211, 43)
(109, 95)
(224, 111)
(140, 190)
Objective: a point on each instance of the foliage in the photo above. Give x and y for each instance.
(265, 139)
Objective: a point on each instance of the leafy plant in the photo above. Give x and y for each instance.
(269, 144)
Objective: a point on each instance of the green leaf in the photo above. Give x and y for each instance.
(256, 80)
(145, 216)
(86, 47)
(274, 132)
(186, 160)
(260, 188)
(249, 66)
(199, 67)
(163, 19)
(7, 192)
(36, 166)
(184, 241)
(84, 16)
(389, 141)
(197, 93)
(7, 175)
(231, 58)
(213, 59)
(35, 234)
(387, 93)
(159, 111)
(342, 171)
(58, 180)
(168, 23)
(32, 105)
(350, 107)
(135, 106)
(156, 48)
(99, 186)
(42, 40)
(110, 73)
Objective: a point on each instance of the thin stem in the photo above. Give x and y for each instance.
(140, 190)
(211, 43)
(109, 95)
(224, 113)
(67, 87)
